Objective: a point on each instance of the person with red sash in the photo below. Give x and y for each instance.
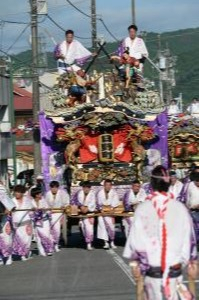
(162, 243)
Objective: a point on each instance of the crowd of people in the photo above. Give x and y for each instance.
(193, 108)
(32, 214)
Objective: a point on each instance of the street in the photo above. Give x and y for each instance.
(73, 273)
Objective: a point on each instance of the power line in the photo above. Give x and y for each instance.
(60, 27)
(13, 22)
(89, 16)
(79, 10)
(19, 22)
(64, 5)
(20, 35)
(111, 34)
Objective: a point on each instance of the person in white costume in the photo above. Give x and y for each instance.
(192, 202)
(176, 185)
(86, 201)
(180, 174)
(70, 54)
(107, 197)
(22, 224)
(161, 244)
(41, 219)
(132, 198)
(193, 108)
(173, 108)
(56, 198)
(135, 45)
(6, 207)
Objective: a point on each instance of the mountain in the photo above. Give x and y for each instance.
(184, 44)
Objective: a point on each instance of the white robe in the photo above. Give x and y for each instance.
(106, 225)
(131, 199)
(23, 228)
(73, 53)
(6, 230)
(137, 47)
(144, 242)
(87, 224)
(173, 109)
(192, 195)
(42, 228)
(61, 199)
(193, 109)
(176, 189)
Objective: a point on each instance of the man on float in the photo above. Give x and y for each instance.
(193, 202)
(193, 108)
(85, 200)
(176, 185)
(173, 108)
(135, 45)
(70, 54)
(162, 242)
(132, 198)
(107, 199)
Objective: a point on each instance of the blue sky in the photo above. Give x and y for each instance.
(151, 15)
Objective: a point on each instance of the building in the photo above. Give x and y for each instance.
(24, 139)
(6, 145)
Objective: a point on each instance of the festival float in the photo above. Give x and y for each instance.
(183, 141)
(99, 129)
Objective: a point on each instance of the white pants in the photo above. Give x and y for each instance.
(127, 222)
(44, 238)
(154, 291)
(87, 226)
(56, 222)
(106, 228)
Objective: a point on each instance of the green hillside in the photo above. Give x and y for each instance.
(184, 44)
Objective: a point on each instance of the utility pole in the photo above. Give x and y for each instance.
(94, 24)
(133, 11)
(35, 86)
(161, 67)
(166, 63)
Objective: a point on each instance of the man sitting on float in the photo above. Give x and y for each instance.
(193, 108)
(70, 54)
(173, 108)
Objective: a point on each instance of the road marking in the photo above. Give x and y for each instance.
(125, 268)
(121, 263)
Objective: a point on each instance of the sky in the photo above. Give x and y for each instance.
(151, 16)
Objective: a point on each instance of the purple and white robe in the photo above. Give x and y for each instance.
(87, 224)
(23, 227)
(137, 48)
(192, 203)
(6, 233)
(130, 199)
(73, 54)
(144, 244)
(176, 189)
(60, 200)
(42, 230)
(106, 225)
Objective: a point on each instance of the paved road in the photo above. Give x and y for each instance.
(73, 273)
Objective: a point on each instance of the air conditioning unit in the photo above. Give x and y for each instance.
(5, 127)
